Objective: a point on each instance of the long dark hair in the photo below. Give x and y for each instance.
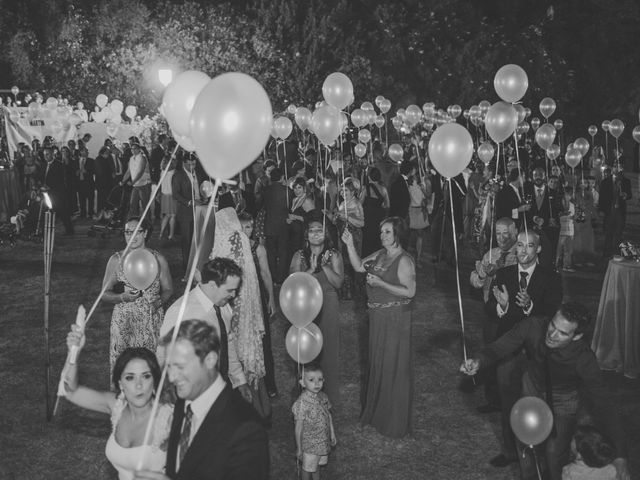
(328, 244)
(134, 353)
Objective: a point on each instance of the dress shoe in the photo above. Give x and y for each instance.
(501, 461)
(488, 408)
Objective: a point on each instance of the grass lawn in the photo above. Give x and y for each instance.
(450, 439)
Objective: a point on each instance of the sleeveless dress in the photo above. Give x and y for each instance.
(389, 387)
(126, 460)
(296, 230)
(137, 323)
(373, 215)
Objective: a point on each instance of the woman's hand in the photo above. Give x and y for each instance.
(126, 297)
(328, 214)
(347, 238)
(374, 280)
(75, 338)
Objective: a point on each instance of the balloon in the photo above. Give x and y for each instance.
(364, 136)
(184, 141)
(52, 103)
(15, 91)
(486, 152)
(593, 130)
(545, 135)
(523, 127)
(385, 105)
(303, 118)
(396, 153)
(326, 124)
(531, 420)
(107, 113)
(359, 117)
(484, 107)
(230, 123)
(14, 116)
(605, 125)
(636, 134)
(616, 127)
(321, 104)
(535, 123)
(116, 119)
(582, 145)
(207, 188)
(140, 268)
(413, 115)
(379, 121)
(465, 113)
(337, 90)
(301, 298)
(379, 99)
(475, 111)
(117, 107)
(511, 83)
(304, 344)
(291, 109)
(282, 127)
(521, 113)
(501, 121)
(451, 148)
(397, 123)
(547, 107)
(573, 157)
(101, 100)
(180, 97)
(527, 112)
(558, 124)
(62, 112)
(112, 129)
(130, 111)
(371, 117)
(367, 107)
(553, 151)
(360, 150)
(344, 121)
(56, 126)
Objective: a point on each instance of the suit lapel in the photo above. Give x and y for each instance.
(174, 437)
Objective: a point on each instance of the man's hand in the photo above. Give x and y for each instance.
(539, 221)
(501, 295)
(524, 208)
(470, 367)
(245, 391)
(622, 472)
(491, 269)
(523, 300)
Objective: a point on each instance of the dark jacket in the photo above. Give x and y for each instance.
(611, 190)
(399, 198)
(276, 209)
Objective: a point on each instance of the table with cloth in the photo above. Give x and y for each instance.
(616, 339)
(9, 193)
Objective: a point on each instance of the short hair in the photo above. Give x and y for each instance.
(201, 334)
(276, 174)
(596, 450)
(310, 367)
(576, 313)
(541, 170)
(399, 229)
(245, 217)
(219, 269)
(374, 174)
(104, 149)
(299, 181)
(530, 233)
(406, 166)
(134, 353)
(267, 164)
(145, 225)
(506, 221)
(513, 175)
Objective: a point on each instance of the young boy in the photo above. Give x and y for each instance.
(565, 242)
(314, 426)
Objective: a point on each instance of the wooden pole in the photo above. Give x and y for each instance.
(49, 235)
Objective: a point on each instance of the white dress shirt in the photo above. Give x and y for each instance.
(199, 307)
(530, 270)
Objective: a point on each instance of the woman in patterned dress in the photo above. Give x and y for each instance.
(137, 315)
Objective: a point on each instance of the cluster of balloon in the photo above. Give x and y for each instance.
(282, 128)
(573, 157)
(501, 121)
(616, 127)
(511, 83)
(303, 118)
(450, 149)
(545, 135)
(301, 301)
(226, 120)
(140, 268)
(531, 420)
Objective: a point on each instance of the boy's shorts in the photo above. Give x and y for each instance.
(310, 461)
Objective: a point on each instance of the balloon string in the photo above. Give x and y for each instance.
(323, 164)
(524, 215)
(455, 250)
(105, 284)
(174, 336)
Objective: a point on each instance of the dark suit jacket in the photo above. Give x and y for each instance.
(104, 172)
(399, 198)
(230, 444)
(548, 208)
(545, 290)
(155, 160)
(55, 178)
(276, 208)
(609, 191)
(181, 191)
(506, 201)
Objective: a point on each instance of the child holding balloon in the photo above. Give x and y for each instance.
(313, 423)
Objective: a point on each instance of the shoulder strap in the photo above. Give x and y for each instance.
(375, 189)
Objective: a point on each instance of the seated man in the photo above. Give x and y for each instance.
(560, 363)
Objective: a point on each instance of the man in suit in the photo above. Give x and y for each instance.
(275, 225)
(214, 434)
(614, 193)
(399, 198)
(155, 162)
(54, 183)
(441, 226)
(543, 216)
(186, 191)
(509, 202)
(517, 292)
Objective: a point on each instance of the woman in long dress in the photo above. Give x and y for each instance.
(583, 237)
(325, 263)
(301, 204)
(137, 315)
(135, 378)
(391, 286)
(247, 322)
(375, 204)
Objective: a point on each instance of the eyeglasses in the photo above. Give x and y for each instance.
(131, 232)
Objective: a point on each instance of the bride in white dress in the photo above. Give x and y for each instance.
(135, 377)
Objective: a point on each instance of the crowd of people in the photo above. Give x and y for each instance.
(360, 228)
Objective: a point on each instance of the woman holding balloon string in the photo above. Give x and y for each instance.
(391, 286)
(300, 205)
(138, 287)
(325, 263)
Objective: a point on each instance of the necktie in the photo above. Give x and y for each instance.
(503, 257)
(185, 435)
(523, 280)
(223, 361)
